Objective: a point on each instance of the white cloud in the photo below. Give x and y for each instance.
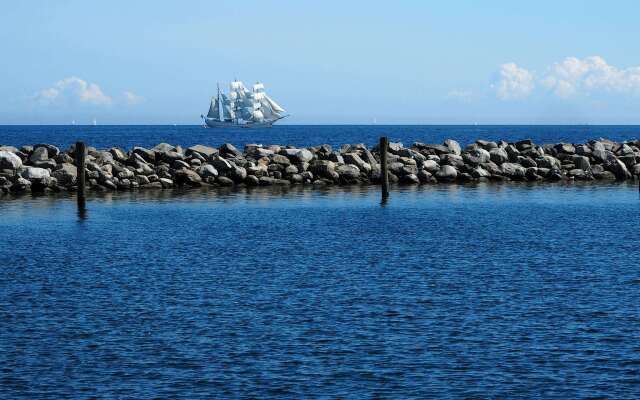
(573, 76)
(132, 98)
(514, 82)
(75, 88)
(461, 95)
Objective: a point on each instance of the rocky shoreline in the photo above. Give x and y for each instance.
(44, 168)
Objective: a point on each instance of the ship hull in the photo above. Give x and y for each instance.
(212, 123)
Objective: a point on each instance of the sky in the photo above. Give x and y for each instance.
(329, 62)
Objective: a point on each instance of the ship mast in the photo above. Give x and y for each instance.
(220, 116)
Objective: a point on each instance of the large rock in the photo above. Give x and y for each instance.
(52, 151)
(452, 159)
(207, 170)
(302, 156)
(565, 148)
(229, 150)
(39, 154)
(323, 168)
(454, 147)
(617, 167)
(146, 154)
(187, 177)
(221, 164)
(280, 159)
(446, 173)
(170, 156)
(10, 149)
(581, 162)
(118, 154)
(547, 161)
(354, 159)
(498, 155)
(9, 160)
(237, 174)
(66, 174)
(476, 157)
(480, 172)
(430, 166)
(513, 171)
(163, 148)
(433, 148)
(32, 173)
(205, 151)
(348, 172)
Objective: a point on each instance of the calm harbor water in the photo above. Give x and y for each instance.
(106, 136)
(448, 291)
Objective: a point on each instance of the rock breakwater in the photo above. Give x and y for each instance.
(46, 168)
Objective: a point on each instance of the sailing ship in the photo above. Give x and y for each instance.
(243, 108)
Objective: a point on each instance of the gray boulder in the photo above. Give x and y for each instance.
(32, 173)
(66, 174)
(302, 156)
(39, 154)
(581, 162)
(513, 171)
(430, 166)
(354, 159)
(547, 161)
(146, 154)
(187, 177)
(207, 170)
(9, 160)
(228, 149)
(498, 155)
(454, 147)
(205, 151)
(348, 172)
(617, 168)
(221, 164)
(446, 173)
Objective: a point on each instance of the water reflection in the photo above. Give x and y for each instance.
(82, 208)
(306, 194)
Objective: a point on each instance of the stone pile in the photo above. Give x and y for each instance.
(44, 167)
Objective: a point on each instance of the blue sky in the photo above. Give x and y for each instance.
(451, 62)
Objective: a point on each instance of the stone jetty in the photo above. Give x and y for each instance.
(46, 168)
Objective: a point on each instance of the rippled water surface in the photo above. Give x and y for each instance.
(127, 136)
(489, 291)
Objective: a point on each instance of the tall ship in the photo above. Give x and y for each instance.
(243, 108)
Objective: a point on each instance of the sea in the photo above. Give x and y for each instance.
(510, 290)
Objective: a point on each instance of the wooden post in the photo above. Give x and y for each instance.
(384, 167)
(81, 151)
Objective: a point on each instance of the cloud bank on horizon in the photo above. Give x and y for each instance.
(78, 91)
(567, 79)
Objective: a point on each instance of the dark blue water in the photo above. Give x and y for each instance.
(489, 291)
(106, 136)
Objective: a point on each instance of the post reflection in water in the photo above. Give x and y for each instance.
(82, 208)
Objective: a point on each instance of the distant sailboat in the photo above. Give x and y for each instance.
(95, 122)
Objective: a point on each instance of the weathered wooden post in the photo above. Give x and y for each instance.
(81, 151)
(384, 167)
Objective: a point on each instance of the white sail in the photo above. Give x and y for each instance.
(258, 116)
(213, 109)
(258, 86)
(274, 105)
(267, 111)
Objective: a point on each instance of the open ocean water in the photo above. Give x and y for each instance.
(447, 291)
